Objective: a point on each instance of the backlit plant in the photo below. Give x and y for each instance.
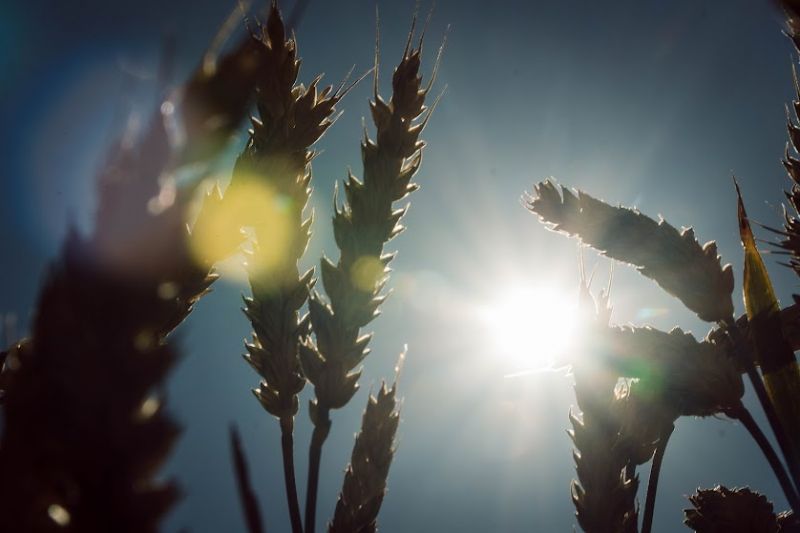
(637, 381)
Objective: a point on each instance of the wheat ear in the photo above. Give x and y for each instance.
(791, 232)
(362, 226)
(365, 478)
(684, 377)
(278, 154)
(692, 378)
(733, 511)
(604, 493)
(673, 259)
(278, 157)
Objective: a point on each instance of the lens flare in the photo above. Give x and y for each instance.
(217, 232)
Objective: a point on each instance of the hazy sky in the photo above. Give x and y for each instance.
(641, 102)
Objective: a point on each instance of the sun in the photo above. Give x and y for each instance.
(530, 328)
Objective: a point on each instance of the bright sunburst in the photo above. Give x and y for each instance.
(530, 327)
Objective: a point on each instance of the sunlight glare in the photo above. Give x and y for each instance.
(531, 328)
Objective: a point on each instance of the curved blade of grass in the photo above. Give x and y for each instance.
(247, 496)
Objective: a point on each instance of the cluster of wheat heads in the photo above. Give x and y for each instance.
(640, 380)
(326, 346)
(669, 374)
(86, 429)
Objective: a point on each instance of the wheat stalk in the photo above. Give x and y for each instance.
(362, 226)
(278, 155)
(365, 478)
(673, 259)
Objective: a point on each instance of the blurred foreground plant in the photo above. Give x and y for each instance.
(85, 428)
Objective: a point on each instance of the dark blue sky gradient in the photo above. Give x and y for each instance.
(647, 103)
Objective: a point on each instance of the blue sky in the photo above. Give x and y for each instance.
(649, 103)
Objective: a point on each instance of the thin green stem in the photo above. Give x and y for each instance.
(287, 447)
(744, 416)
(322, 426)
(652, 483)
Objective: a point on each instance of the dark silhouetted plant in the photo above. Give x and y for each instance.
(325, 346)
(666, 375)
(85, 428)
(669, 374)
(366, 221)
